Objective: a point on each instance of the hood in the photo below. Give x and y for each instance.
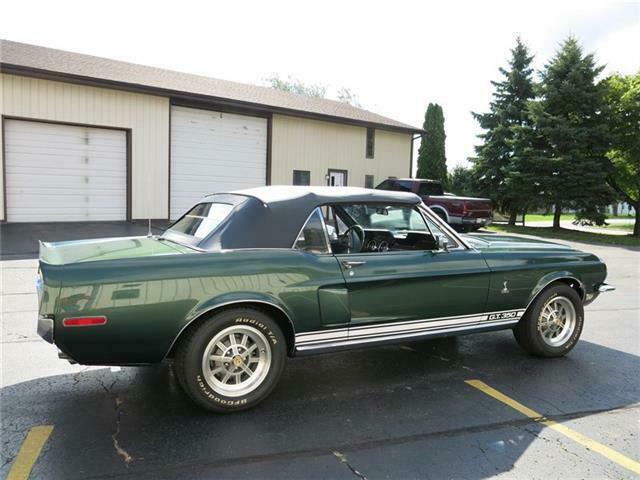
(491, 242)
(76, 251)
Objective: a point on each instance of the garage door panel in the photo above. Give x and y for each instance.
(64, 173)
(197, 168)
(214, 152)
(65, 168)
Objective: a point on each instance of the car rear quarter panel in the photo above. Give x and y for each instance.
(148, 301)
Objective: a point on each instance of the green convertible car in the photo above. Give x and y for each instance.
(247, 278)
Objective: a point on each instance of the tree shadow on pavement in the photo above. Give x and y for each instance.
(401, 411)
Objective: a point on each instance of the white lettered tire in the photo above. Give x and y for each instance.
(231, 361)
(553, 323)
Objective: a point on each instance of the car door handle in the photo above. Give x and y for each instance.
(349, 264)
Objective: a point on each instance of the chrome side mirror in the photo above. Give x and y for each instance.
(442, 243)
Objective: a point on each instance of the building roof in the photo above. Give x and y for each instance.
(32, 60)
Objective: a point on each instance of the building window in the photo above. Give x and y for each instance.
(301, 177)
(371, 142)
(368, 181)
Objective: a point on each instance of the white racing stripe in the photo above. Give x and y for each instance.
(408, 329)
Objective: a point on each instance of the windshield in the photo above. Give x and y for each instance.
(201, 220)
(386, 217)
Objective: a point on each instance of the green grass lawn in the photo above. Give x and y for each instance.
(619, 226)
(539, 217)
(565, 234)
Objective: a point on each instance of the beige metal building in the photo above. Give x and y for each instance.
(91, 139)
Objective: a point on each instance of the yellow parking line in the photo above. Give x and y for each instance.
(28, 454)
(583, 440)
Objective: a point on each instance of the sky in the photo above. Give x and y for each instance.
(396, 56)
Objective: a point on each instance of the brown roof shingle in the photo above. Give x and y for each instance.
(31, 59)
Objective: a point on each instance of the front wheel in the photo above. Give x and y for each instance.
(553, 323)
(231, 361)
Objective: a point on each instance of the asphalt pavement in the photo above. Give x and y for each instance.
(402, 411)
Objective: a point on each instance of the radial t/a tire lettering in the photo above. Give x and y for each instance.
(231, 361)
(553, 323)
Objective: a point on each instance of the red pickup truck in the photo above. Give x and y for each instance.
(461, 212)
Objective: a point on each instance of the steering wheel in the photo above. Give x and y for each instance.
(353, 238)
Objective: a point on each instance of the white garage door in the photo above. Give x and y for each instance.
(57, 173)
(214, 152)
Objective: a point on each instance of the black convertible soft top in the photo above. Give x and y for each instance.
(271, 217)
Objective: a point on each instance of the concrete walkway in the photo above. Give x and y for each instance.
(568, 224)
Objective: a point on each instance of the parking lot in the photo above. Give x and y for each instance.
(405, 411)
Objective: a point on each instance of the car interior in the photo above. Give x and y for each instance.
(378, 229)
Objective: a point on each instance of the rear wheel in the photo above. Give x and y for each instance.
(553, 323)
(232, 361)
(441, 214)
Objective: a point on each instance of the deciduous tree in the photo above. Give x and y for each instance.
(622, 95)
(294, 85)
(461, 182)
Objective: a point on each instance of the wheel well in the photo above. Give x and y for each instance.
(573, 283)
(441, 212)
(274, 312)
(570, 282)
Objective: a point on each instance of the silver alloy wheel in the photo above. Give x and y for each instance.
(236, 360)
(557, 321)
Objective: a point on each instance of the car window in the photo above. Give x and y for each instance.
(335, 225)
(387, 217)
(202, 219)
(439, 232)
(386, 185)
(405, 186)
(312, 237)
(428, 188)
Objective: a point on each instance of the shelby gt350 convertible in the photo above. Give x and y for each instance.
(245, 279)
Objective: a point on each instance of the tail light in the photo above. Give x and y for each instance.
(465, 209)
(84, 321)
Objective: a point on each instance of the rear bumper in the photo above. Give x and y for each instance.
(479, 221)
(45, 328)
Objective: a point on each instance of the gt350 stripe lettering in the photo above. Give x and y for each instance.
(398, 330)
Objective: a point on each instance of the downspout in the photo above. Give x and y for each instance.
(413, 139)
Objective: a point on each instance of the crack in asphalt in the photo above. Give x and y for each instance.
(560, 443)
(121, 451)
(486, 457)
(126, 456)
(366, 445)
(76, 376)
(12, 435)
(343, 459)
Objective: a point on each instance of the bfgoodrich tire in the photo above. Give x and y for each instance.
(553, 323)
(231, 361)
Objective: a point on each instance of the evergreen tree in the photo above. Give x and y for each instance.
(572, 135)
(498, 174)
(432, 161)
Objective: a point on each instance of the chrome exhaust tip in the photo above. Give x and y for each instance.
(64, 356)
